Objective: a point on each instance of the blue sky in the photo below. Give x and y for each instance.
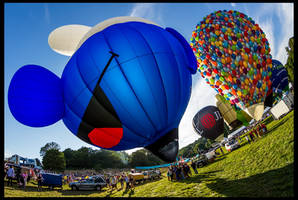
(27, 27)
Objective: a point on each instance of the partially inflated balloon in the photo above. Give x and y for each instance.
(208, 122)
(232, 116)
(280, 83)
(126, 85)
(233, 56)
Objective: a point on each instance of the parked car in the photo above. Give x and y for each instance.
(154, 174)
(92, 183)
(232, 145)
(202, 160)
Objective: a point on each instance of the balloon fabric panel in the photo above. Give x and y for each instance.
(35, 97)
(178, 53)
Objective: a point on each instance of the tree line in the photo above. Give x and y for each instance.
(87, 158)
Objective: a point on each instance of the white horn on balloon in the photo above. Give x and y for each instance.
(256, 111)
(67, 39)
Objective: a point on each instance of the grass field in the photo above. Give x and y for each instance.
(263, 168)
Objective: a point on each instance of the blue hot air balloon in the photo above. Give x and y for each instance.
(126, 85)
(280, 83)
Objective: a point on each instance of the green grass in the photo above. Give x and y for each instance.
(263, 168)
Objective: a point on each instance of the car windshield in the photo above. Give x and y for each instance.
(99, 180)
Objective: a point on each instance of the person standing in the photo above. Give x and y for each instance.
(113, 182)
(169, 173)
(247, 139)
(127, 182)
(194, 167)
(10, 175)
(39, 182)
(255, 131)
(251, 135)
(108, 181)
(25, 179)
(264, 127)
(121, 180)
(131, 181)
(222, 152)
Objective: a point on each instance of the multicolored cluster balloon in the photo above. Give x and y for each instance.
(233, 56)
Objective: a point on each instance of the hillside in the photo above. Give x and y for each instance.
(263, 168)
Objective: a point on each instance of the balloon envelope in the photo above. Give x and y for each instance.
(208, 122)
(233, 57)
(126, 86)
(280, 83)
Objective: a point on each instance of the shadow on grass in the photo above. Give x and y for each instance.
(30, 188)
(273, 183)
(106, 190)
(220, 158)
(276, 126)
(197, 178)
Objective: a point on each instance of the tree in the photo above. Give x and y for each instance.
(54, 160)
(144, 157)
(138, 158)
(69, 156)
(290, 61)
(48, 146)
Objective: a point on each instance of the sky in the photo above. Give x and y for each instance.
(28, 25)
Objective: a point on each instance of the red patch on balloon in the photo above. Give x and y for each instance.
(208, 121)
(106, 137)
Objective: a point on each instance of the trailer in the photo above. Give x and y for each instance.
(51, 180)
(279, 110)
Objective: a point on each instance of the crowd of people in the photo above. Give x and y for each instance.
(22, 177)
(179, 171)
(256, 132)
(121, 178)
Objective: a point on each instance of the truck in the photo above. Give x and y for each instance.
(279, 110)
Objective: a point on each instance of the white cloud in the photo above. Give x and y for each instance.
(286, 16)
(285, 24)
(202, 95)
(148, 11)
(47, 13)
(267, 26)
(233, 4)
(7, 154)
